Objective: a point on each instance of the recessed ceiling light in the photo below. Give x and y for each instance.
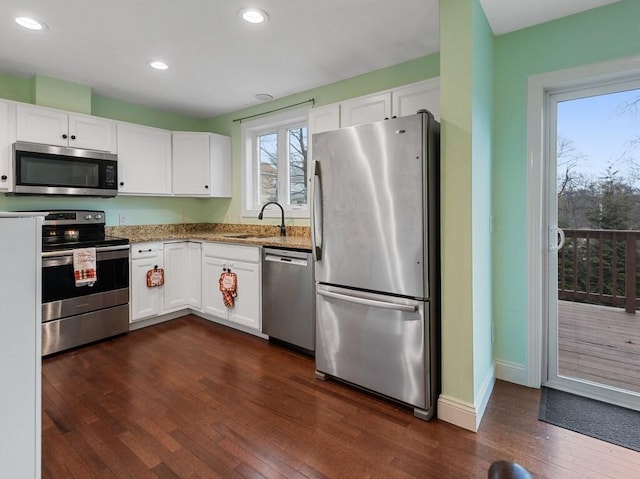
(158, 65)
(31, 23)
(253, 15)
(264, 97)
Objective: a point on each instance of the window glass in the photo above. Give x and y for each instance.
(268, 155)
(275, 164)
(297, 144)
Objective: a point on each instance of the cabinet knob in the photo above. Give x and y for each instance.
(122, 183)
(206, 187)
(64, 136)
(73, 137)
(3, 177)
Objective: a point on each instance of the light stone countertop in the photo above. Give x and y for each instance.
(298, 237)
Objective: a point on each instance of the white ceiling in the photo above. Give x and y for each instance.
(217, 62)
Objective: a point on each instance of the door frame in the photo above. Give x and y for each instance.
(539, 89)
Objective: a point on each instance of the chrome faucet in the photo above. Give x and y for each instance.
(283, 229)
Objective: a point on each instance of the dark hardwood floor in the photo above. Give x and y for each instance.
(192, 399)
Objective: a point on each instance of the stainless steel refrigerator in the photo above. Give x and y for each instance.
(375, 236)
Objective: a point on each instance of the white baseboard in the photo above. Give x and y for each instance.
(512, 372)
(484, 394)
(157, 319)
(464, 414)
(457, 412)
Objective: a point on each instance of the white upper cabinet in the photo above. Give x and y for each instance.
(324, 118)
(55, 127)
(201, 164)
(407, 100)
(365, 109)
(401, 101)
(144, 160)
(221, 165)
(7, 137)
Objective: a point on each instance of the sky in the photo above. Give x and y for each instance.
(601, 129)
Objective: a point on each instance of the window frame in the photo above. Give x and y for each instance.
(250, 130)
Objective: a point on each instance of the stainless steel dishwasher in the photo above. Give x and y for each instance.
(288, 297)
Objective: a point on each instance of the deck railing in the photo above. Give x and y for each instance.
(599, 267)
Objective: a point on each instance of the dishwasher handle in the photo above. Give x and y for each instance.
(285, 259)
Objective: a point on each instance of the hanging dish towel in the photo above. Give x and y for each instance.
(84, 266)
(155, 277)
(228, 283)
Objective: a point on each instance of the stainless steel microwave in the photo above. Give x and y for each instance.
(55, 170)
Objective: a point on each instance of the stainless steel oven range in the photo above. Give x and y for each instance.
(74, 314)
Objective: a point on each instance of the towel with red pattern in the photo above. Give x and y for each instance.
(228, 284)
(84, 266)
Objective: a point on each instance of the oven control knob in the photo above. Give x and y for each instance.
(98, 216)
(88, 217)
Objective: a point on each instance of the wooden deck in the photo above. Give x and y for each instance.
(600, 344)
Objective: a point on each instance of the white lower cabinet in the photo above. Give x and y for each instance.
(182, 269)
(146, 302)
(191, 281)
(244, 261)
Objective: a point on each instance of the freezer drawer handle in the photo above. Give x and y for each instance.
(407, 308)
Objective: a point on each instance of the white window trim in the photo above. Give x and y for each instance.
(539, 89)
(249, 178)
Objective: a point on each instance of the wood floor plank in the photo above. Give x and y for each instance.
(193, 399)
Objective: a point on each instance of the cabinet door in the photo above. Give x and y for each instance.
(221, 174)
(92, 133)
(42, 125)
(7, 137)
(409, 99)
(176, 275)
(246, 310)
(144, 160)
(324, 118)
(145, 302)
(365, 109)
(211, 296)
(191, 168)
(194, 280)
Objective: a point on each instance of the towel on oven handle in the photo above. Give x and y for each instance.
(84, 266)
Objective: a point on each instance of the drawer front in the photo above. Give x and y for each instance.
(146, 250)
(249, 254)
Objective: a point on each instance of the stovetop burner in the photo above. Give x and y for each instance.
(71, 229)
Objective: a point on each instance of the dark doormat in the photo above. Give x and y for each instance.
(614, 424)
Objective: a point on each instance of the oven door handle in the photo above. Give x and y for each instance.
(51, 259)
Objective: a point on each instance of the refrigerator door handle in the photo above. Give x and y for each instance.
(317, 212)
(405, 308)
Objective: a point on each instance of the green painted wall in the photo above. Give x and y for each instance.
(16, 88)
(456, 83)
(397, 75)
(65, 95)
(598, 35)
(131, 113)
(482, 115)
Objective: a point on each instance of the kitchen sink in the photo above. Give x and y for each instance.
(245, 236)
(237, 235)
